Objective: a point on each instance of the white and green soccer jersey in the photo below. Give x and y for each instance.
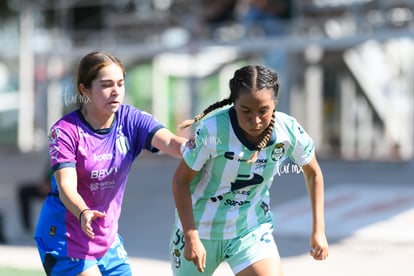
(229, 195)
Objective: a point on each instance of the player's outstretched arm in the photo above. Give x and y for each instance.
(167, 142)
(315, 186)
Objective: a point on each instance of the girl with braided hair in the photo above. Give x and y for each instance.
(221, 186)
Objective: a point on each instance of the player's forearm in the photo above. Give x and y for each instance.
(182, 198)
(177, 145)
(318, 212)
(315, 186)
(73, 202)
(67, 185)
(167, 142)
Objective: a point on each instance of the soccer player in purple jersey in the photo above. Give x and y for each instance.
(91, 151)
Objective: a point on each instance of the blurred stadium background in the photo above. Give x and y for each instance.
(346, 66)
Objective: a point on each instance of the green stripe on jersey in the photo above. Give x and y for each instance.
(230, 196)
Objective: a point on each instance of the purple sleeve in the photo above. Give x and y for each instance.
(62, 145)
(142, 127)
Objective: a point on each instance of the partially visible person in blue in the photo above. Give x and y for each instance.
(91, 152)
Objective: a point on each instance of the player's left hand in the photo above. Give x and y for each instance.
(319, 246)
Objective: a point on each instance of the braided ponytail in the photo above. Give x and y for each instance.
(266, 138)
(201, 115)
(248, 78)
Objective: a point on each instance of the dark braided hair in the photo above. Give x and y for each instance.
(201, 115)
(253, 78)
(246, 79)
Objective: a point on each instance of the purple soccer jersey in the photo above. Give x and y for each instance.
(102, 160)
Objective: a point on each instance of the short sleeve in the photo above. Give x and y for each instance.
(202, 152)
(303, 145)
(142, 127)
(62, 147)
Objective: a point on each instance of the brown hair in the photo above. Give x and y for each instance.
(248, 78)
(91, 64)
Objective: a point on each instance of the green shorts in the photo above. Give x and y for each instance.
(239, 252)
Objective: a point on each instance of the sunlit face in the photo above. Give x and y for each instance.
(254, 112)
(107, 91)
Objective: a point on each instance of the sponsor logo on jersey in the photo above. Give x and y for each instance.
(246, 180)
(219, 198)
(99, 186)
(229, 155)
(94, 187)
(99, 174)
(233, 202)
(102, 157)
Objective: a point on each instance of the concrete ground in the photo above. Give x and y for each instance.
(369, 217)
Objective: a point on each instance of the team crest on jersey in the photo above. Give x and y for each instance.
(122, 142)
(176, 258)
(53, 136)
(278, 151)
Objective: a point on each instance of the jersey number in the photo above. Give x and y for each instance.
(179, 239)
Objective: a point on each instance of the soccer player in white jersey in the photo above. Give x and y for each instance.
(221, 187)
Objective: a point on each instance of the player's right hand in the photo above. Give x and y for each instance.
(194, 251)
(86, 221)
